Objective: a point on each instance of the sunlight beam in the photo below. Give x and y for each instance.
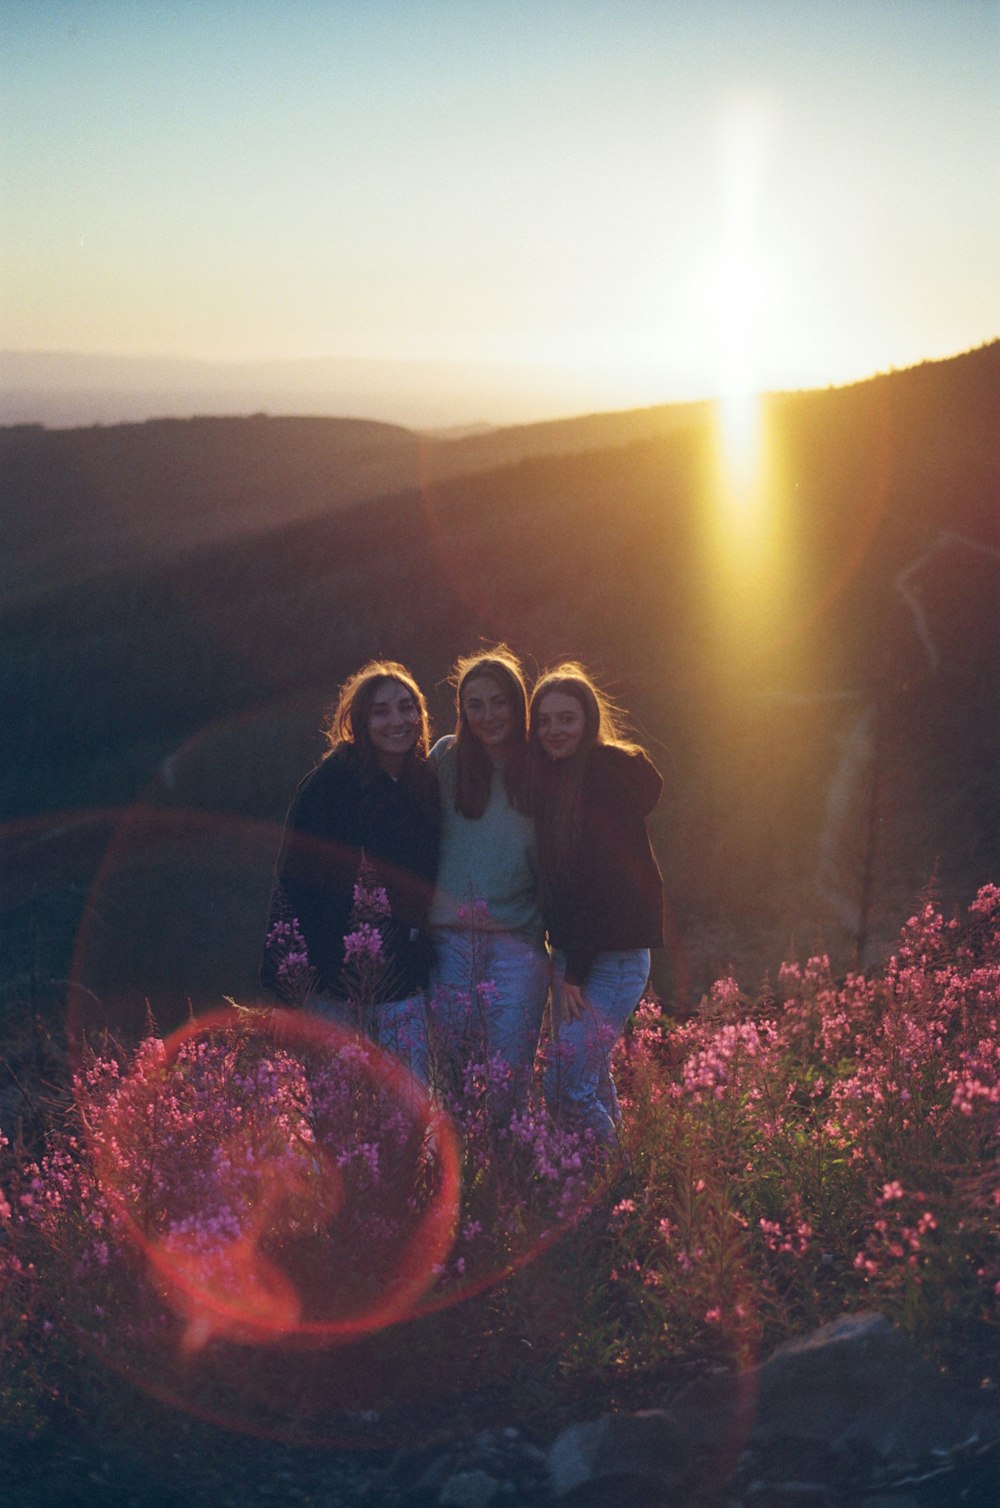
(747, 557)
(738, 308)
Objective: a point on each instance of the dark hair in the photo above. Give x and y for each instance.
(556, 788)
(475, 768)
(348, 722)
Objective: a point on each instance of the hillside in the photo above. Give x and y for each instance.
(81, 502)
(829, 733)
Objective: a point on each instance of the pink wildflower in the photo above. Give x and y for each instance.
(474, 914)
(371, 901)
(364, 945)
(724, 993)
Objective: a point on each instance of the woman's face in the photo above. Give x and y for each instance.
(488, 712)
(393, 724)
(560, 724)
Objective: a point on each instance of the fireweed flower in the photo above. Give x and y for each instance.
(724, 994)
(371, 900)
(293, 973)
(474, 915)
(364, 945)
(722, 1061)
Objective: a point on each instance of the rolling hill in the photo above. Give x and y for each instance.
(81, 502)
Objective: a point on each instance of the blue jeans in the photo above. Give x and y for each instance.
(493, 984)
(579, 1088)
(400, 1026)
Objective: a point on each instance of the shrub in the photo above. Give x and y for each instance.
(827, 1145)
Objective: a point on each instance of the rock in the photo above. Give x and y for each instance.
(715, 1414)
(855, 1385)
(633, 1451)
(469, 1489)
(434, 1477)
(836, 1412)
(790, 1495)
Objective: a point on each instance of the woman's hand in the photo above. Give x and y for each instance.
(573, 1002)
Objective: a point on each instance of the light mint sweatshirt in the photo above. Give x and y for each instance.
(491, 858)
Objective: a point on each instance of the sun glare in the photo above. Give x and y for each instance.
(738, 306)
(747, 563)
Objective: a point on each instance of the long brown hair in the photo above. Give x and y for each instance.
(556, 787)
(475, 768)
(348, 722)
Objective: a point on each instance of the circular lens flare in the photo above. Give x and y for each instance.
(210, 1248)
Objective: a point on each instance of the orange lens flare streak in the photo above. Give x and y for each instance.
(199, 1285)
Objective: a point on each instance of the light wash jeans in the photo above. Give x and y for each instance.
(512, 975)
(579, 1088)
(401, 1026)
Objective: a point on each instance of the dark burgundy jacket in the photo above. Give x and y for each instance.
(338, 813)
(611, 898)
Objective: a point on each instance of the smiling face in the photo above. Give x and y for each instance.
(393, 725)
(561, 724)
(488, 712)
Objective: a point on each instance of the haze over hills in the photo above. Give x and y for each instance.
(79, 502)
(829, 741)
(66, 389)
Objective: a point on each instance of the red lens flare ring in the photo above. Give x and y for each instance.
(231, 1289)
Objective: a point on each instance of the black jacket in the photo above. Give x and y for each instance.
(338, 814)
(611, 897)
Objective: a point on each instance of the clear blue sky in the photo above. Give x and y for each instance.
(671, 195)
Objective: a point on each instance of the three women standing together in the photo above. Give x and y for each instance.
(529, 819)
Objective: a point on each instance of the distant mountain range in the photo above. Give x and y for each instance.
(63, 389)
(183, 599)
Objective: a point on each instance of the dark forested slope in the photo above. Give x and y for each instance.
(81, 502)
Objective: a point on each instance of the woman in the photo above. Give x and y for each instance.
(486, 918)
(360, 851)
(602, 889)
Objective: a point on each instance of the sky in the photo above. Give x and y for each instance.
(679, 199)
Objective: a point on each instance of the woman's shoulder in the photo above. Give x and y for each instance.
(341, 763)
(626, 769)
(330, 787)
(337, 771)
(444, 746)
(619, 757)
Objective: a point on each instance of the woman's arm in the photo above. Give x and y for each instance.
(620, 787)
(573, 1005)
(440, 749)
